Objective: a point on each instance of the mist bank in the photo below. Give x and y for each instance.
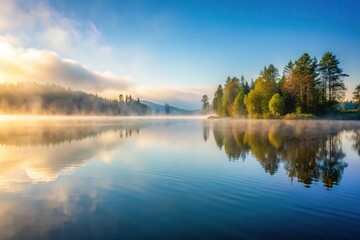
(38, 99)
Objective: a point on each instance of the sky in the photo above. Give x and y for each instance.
(166, 50)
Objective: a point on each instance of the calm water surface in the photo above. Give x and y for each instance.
(97, 178)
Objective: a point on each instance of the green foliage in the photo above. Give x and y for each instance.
(239, 108)
(32, 98)
(332, 79)
(303, 82)
(217, 101)
(246, 88)
(252, 101)
(277, 105)
(300, 89)
(285, 77)
(288, 70)
(244, 85)
(257, 101)
(231, 90)
(270, 73)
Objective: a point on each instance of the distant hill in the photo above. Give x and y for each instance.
(160, 109)
(33, 98)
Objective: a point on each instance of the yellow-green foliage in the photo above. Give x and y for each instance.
(238, 107)
(231, 90)
(277, 105)
(252, 103)
(257, 101)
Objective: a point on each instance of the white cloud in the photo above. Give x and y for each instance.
(43, 66)
(36, 24)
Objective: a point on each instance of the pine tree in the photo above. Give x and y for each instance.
(288, 69)
(205, 104)
(303, 83)
(332, 79)
(217, 101)
(231, 90)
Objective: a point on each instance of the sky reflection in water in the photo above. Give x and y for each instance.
(111, 178)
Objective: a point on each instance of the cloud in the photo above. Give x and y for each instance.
(33, 36)
(43, 66)
(38, 25)
(19, 64)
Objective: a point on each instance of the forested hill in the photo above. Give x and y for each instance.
(33, 98)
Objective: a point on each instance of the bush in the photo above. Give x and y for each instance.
(277, 105)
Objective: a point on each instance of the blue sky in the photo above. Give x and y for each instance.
(175, 51)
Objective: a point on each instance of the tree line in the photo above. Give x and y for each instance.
(306, 86)
(33, 98)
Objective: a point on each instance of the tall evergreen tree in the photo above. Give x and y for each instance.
(288, 69)
(217, 101)
(332, 78)
(244, 85)
(246, 88)
(231, 90)
(270, 73)
(205, 104)
(286, 76)
(303, 83)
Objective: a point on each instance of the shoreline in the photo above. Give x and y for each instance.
(355, 116)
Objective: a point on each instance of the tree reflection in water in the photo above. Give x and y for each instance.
(206, 130)
(54, 133)
(355, 138)
(310, 151)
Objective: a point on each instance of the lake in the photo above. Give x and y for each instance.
(178, 178)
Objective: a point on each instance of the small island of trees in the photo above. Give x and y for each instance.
(307, 87)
